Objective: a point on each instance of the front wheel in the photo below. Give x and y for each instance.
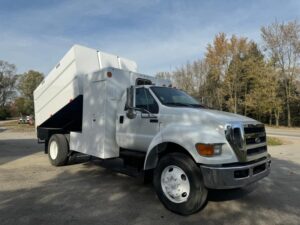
(179, 185)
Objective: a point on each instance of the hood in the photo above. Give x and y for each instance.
(222, 116)
(203, 116)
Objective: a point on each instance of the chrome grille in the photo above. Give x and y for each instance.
(257, 150)
(247, 140)
(254, 128)
(255, 139)
(251, 140)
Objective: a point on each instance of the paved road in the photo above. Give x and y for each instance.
(284, 132)
(33, 192)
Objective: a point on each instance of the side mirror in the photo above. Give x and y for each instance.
(130, 102)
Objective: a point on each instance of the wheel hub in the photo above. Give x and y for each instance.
(175, 184)
(53, 150)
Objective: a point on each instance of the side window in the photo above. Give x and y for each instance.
(145, 100)
(141, 99)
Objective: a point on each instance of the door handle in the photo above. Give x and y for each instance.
(153, 120)
(121, 119)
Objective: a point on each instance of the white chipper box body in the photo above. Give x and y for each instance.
(62, 84)
(78, 95)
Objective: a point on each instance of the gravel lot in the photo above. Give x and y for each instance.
(34, 192)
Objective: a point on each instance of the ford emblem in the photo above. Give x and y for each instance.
(257, 140)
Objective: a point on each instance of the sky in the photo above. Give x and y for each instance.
(160, 35)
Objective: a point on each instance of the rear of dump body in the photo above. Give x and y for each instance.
(62, 84)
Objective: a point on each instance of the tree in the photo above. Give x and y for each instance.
(190, 78)
(21, 105)
(235, 79)
(8, 79)
(236, 76)
(164, 75)
(217, 58)
(28, 82)
(282, 42)
(225, 81)
(262, 100)
(200, 71)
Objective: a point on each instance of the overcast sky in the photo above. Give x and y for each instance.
(158, 35)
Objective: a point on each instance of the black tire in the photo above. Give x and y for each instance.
(62, 150)
(198, 193)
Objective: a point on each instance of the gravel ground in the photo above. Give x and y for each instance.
(34, 192)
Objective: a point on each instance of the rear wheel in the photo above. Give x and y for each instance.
(179, 184)
(58, 149)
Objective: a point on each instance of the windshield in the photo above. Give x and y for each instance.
(175, 97)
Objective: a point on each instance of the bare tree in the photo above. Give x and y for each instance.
(8, 80)
(200, 71)
(165, 75)
(190, 77)
(282, 41)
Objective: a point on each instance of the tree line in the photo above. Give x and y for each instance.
(16, 90)
(239, 76)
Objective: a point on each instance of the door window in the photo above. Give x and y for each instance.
(145, 100)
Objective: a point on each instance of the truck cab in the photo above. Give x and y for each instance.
(101, 107)
(230, 149)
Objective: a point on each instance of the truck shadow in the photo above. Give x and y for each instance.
(10, 149)
(230, 194)
(90, 194)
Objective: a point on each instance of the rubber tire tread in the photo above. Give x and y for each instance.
(198, 192)
(63, 150)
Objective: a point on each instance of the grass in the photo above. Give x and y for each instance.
(272, 141)
(14, 126)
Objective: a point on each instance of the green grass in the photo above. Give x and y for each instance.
(272, 141)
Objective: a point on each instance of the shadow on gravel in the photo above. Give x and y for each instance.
(12, 149)
(96, 195)
(232, 194)
(2, 129)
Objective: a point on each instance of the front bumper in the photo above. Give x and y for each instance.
(236, 176)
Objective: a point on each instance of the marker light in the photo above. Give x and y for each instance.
(205, 150)
(209, 149)
(109, 74)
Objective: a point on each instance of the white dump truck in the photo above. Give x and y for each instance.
(98, 104)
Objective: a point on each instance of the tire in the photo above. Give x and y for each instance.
(190, 178)
(58, 150)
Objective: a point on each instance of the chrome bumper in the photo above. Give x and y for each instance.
(235, 176)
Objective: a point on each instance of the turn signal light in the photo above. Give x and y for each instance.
(205, 149)
(109, 74)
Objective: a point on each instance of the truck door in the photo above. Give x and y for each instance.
(137, 133)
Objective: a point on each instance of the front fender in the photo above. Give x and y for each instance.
(187, 136)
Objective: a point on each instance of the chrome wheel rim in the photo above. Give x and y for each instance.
(175, 184)
(53, 150)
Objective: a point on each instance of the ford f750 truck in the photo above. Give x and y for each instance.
(97, 104)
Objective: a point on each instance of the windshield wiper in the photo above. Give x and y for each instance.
(179, 104)
(184, 104)
(199, 106)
